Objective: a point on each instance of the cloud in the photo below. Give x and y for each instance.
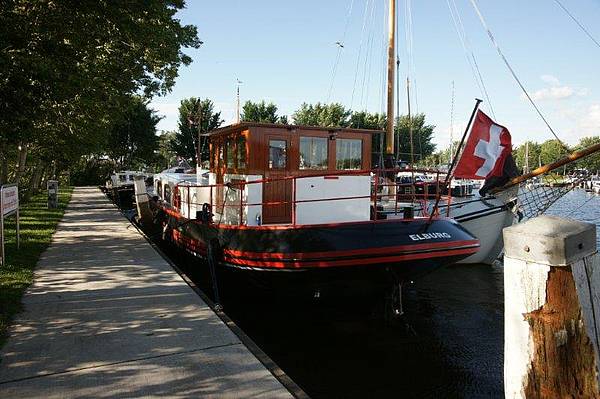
(550, 79)
(556, 91)
(591, 119)
(553, 93)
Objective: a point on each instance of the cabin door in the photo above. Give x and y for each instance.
(278, 192)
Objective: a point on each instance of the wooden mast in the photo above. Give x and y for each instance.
(389, 131)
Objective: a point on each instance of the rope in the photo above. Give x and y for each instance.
(360, 46)
(370, 49)
(339, 50)
(469, 54)
(578, 23)
(514, 75)
(367, 54)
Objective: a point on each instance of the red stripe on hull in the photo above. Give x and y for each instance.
(348, 262)
(355, 252)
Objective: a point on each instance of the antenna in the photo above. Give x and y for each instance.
(451, 126)
(237, 114)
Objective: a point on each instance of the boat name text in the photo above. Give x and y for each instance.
(428, 236)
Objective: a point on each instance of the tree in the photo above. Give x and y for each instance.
(376, 121)
(591, 162)
(326, 115)
(195, 115)
(551, 151)
(259, 112)
(132, 140)
(422, 137)
(533, 151)
(68, 69)
(165, 156)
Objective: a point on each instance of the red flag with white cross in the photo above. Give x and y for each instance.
(486, 150)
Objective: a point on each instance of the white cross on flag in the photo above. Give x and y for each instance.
(487, 148)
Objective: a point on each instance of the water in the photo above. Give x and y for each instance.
(448, 344)
(579, 205)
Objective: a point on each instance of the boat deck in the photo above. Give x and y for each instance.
(107, 316)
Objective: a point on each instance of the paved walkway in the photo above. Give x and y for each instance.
(108, 317)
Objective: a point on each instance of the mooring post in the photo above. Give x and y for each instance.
(552, 309)
(141, 200)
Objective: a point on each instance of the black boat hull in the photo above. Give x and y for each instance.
(409, 248)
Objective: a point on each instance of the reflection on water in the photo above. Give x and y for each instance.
(451, 344)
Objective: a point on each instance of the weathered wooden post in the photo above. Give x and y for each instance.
(142, 200)
(552, 315)
(52, 186)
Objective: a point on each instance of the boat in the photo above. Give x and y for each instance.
(296, 198)
(119, 186)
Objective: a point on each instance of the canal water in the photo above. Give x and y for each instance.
(449, 344)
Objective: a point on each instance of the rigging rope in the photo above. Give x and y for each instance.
(469, 54)
(367, 55)
(362, 33)
(340, 45)
(513, 73)
(578, 23)
(370, 49)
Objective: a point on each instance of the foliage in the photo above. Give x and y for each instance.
(132, 139)
(534, 153)
(37, 226)
(592, 162)
(422, 137)
(195, 115)
(551, 151)
(260, 112)
(165, 156)
(92, 171)
(326, 115)
(70, 68)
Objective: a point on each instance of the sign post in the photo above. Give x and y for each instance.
(9, 205)
(52, 194)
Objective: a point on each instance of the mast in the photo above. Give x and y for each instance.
(389, 131)
(237, 110)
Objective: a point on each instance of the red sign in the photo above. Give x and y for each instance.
(486, 150)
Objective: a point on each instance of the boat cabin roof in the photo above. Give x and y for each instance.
(252, 148)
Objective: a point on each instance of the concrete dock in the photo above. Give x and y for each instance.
(107, 316)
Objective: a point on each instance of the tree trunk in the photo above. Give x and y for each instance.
(36, 177)
(3, 165)
(22, 161)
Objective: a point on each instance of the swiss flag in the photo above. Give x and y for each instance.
(486, 151)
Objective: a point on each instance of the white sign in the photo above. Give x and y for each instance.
(10, 199)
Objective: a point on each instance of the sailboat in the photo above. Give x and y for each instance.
(285, 198)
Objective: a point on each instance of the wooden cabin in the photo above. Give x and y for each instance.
(252, 151)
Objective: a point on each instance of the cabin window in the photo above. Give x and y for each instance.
(313, 153)
(241, 152)
(230, 151)
(277, 154)
(167, 195)
(122, 178)
(159, 188)
(348, 154)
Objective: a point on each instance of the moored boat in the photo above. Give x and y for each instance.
(293, 198)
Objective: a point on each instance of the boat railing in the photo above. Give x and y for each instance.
(386, 196)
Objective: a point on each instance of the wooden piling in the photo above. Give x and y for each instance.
(551, 309)
(142, 200)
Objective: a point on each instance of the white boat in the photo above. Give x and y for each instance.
(485, 217)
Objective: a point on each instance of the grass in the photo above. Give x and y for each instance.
(38, 223)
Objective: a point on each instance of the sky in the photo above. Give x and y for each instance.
(285, 52)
